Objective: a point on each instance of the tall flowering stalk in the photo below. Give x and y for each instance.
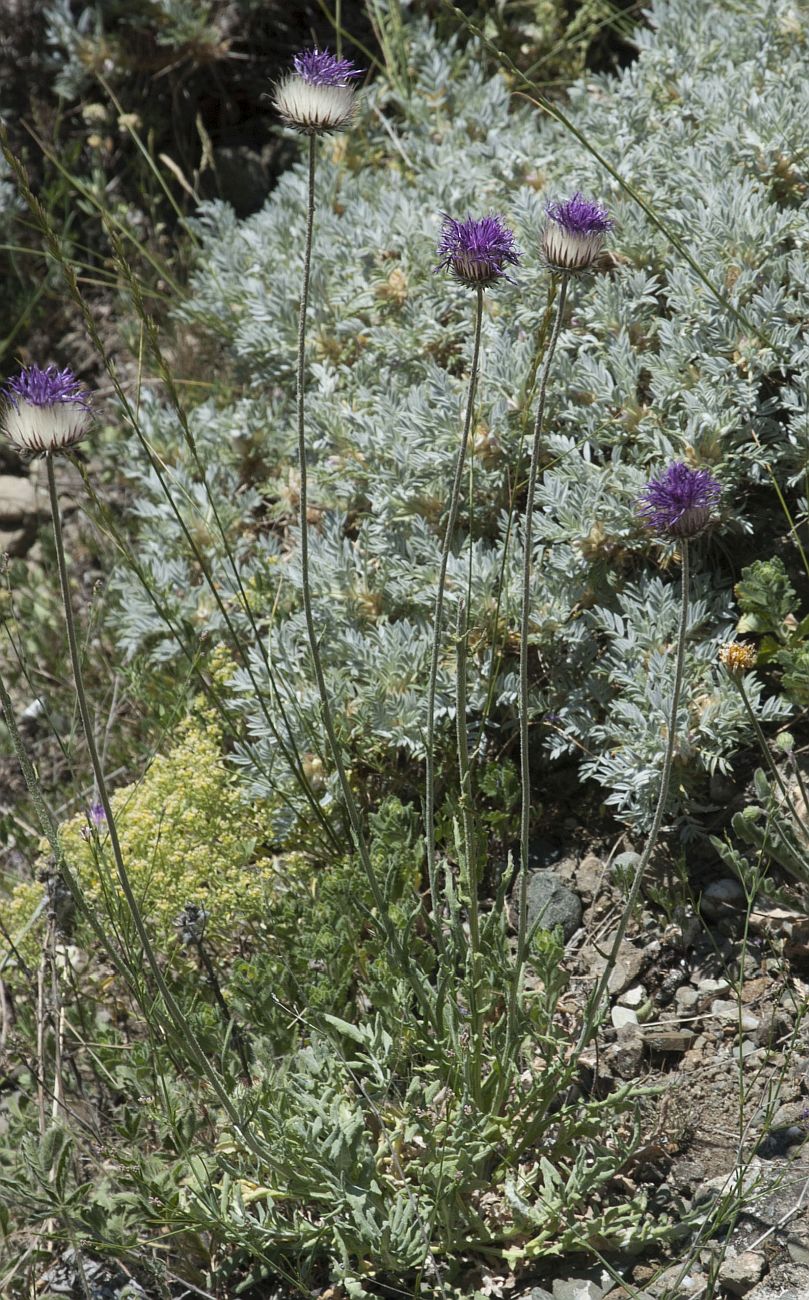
(316, 98)
(47, 412)
(477, 252)
(571, 243)
(677, 506)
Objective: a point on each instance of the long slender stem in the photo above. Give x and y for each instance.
(591, 1013)
(438, 614)
(525, 619)
(468, 841)
(394, 941)
(180, 1022)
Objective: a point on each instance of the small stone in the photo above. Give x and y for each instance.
(621, 1016)
(588, 877)
(551, 903)
(773, 1026)
(625, 1055)
(712, 986)
(631, 961)
(778, 1141)
(729, 1011)
(686, 998)
(658, 1039)
(634, 997)
(740, 1273)
(722, 898)
(578, 1288)
(798, 1247)
(714, 1189)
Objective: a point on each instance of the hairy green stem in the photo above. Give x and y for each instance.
(591, 1013)
(176, 1015)
(394, 941)
(525, 620)
(438, 615)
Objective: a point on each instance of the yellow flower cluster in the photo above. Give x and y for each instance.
(737, 657)
(186, 836)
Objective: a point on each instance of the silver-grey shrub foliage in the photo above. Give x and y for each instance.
(708, 125)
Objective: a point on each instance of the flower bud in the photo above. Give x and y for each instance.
(574, 234)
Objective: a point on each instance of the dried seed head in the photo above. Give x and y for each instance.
(738, 658)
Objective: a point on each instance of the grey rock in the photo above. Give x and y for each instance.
(773, 1026)
(536, 1293)
(634, 997)
(580, 1288)
(621, 1016)
(588, 876)
(551, 903)
(729, 1011)
(686, 999)
(625, 1056)
(715, 1189)
(778, 1141)
(631, 961)
(19, 501)
(798, 1246)
(706, 986)
(722, 898)
(740, 1273)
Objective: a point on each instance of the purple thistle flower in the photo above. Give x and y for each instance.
(320, 68)
(477, 250)
(574, 234)
(45, 410)
(680, 503)
(318, 95)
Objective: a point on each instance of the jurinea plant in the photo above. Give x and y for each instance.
(317, 96)
(574, 234)
(677, 505)
(572, 239)
(45, 410)
(476, 251)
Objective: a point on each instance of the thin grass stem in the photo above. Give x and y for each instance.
(591, 1017)
(438, 616)
(394, 941)
(180, 1022)
(525, 623)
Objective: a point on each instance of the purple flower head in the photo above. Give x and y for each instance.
(47, 387)
(681, 502)
(574, 234)
(45, 410)
(320, 68)
(578, 216)
(96, 813)
(477, 250)
(318, 95)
